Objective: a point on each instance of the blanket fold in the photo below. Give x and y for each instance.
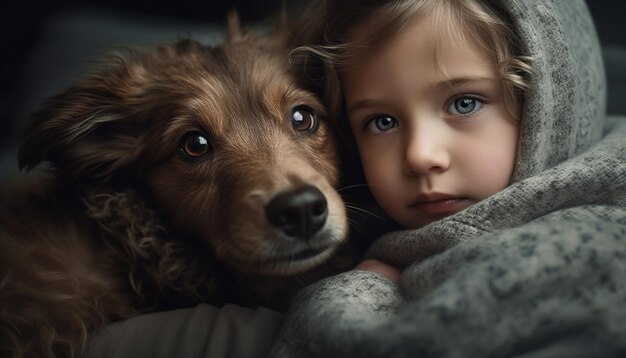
(536, 270)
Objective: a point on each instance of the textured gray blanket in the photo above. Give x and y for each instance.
(553, 286)
(537, 270)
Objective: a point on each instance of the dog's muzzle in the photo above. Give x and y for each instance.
(299, 213)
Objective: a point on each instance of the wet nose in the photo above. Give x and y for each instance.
(300, 212)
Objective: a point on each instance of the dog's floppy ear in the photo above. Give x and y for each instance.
(90, 129)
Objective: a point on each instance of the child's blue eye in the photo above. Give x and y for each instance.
(464, 106)
(382, 124)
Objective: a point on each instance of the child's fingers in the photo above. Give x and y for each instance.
(380, 267)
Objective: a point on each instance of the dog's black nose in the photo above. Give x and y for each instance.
(299, 213)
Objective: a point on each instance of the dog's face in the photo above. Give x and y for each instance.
(230, 148)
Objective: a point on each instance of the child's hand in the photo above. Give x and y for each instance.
(390, 272)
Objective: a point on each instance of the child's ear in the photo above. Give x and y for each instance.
(90, 129)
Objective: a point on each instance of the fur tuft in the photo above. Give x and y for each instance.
(233, 26)
(157, 263)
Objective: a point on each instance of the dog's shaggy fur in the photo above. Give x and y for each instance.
(161, 169)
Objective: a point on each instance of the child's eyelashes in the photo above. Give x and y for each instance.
(465, 105)
(461, 106)
(380, 123)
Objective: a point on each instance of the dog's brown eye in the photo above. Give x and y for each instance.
(194, 145)
(303, 119)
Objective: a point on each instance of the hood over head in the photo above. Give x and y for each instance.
(565, 112)
(570, 155)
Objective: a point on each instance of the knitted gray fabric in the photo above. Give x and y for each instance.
(565, 113)
(537, 270)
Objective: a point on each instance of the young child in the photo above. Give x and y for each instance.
(432, 93)
(481, 129)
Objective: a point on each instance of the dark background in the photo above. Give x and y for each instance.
(24, 25)
(29, 26)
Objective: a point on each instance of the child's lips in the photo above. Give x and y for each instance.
(438, 204)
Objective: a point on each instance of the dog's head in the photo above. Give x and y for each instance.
(229, 147)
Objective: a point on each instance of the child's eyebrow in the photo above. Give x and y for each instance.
(366, 103)
(459, 81)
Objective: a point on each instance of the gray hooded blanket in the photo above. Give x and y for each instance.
(537, 270)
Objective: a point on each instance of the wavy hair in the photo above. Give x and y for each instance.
(331, 42)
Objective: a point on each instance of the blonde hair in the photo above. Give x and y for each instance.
(344, 30)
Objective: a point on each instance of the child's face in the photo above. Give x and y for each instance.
(433, 135)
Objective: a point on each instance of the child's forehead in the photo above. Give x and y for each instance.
(425, 54)
(443, 27)
(424, 26)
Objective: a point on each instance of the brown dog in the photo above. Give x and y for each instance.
(167, 170)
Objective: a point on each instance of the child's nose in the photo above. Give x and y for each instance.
(425, 153)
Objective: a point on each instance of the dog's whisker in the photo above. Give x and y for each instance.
(358, 227)
(357, 214)
(352, 187)
(357, 209)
